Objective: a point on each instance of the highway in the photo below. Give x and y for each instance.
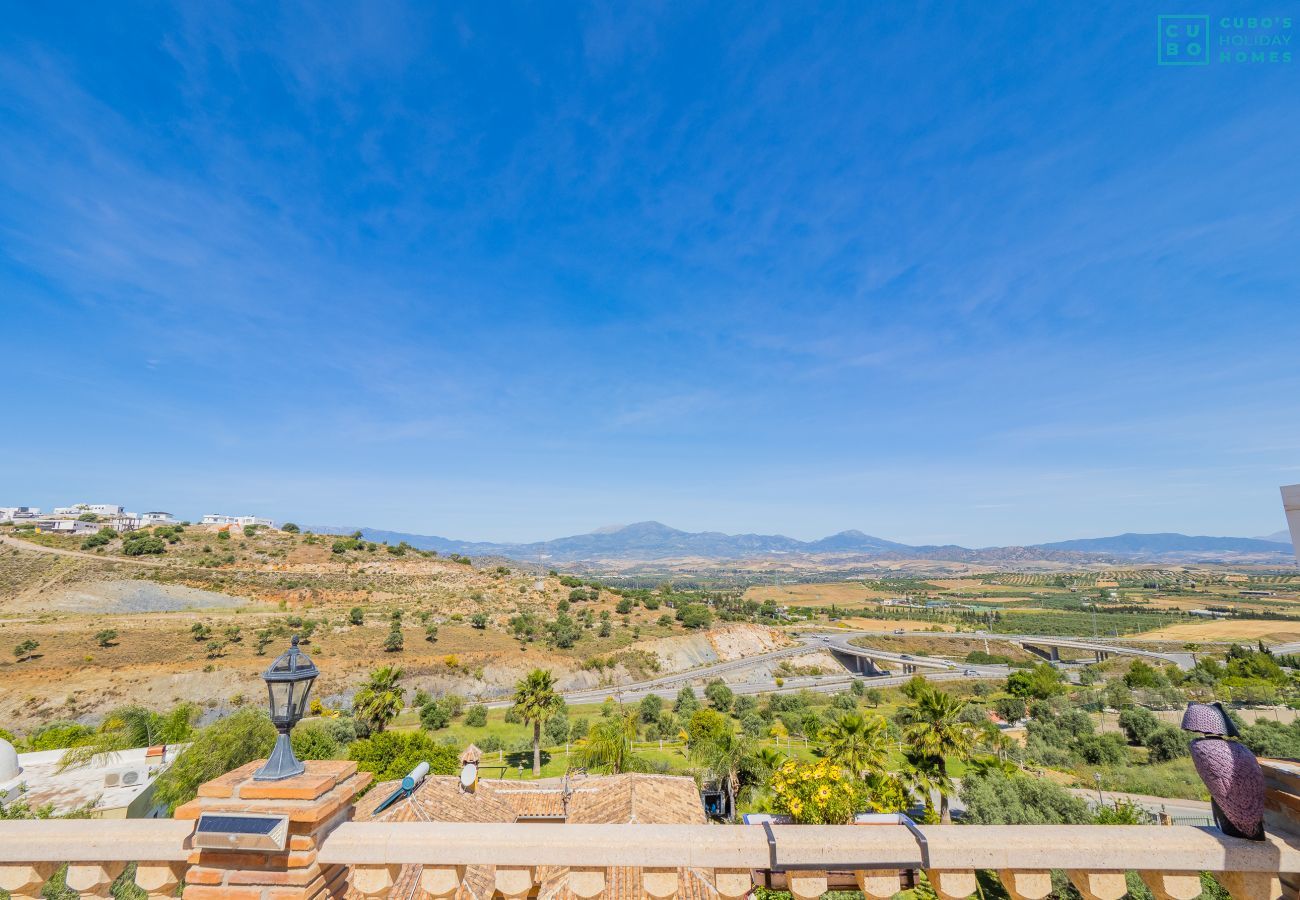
(668, 686)
(1183, 660)
(840, 641)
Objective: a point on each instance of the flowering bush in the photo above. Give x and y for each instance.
(822, 793)
(816, 793)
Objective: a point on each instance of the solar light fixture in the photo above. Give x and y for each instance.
(288, 683)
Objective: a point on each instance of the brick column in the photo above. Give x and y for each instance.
(316, 802)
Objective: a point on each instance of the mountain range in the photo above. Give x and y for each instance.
(656, 541)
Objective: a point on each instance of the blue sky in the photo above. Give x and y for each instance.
(980, 273)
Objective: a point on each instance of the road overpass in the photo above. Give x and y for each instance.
(1049, 647)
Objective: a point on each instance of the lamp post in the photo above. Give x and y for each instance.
(288, 683)
(1100, 801)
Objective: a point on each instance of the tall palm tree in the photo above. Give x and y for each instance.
(380, 699)
(608, 746)
(856, 743)
(935, 730)
(536, 701)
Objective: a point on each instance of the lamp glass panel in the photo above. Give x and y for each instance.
(300, 699)
(281, 692)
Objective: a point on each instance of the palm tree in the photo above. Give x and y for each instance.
(536, 701)
(856, 743)
(935, 731)
(134, 726)
(380, 699)
(921, 775)
(726, 758)
(608, 746)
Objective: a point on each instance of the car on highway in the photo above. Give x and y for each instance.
(899, 631)
(970, 672)
(905, 656)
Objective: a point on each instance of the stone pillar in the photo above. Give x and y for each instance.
(316, 802)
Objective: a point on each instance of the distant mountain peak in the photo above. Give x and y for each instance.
(650, 540)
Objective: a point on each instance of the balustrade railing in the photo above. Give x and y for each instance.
(327, 855)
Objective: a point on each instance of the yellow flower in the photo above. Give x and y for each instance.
(823, 793)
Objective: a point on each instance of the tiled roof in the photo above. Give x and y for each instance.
(640, 799)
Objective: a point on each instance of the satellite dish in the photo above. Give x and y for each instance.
(469, 776)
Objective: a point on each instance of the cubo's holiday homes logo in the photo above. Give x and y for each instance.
(1186, 40)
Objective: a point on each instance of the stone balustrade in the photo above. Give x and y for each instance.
(327, 855)
(97, 852)
(807, 858)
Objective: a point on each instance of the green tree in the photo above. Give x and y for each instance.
(224, 745)
(650, 708)
(431, 633)
(140, 544)
(1041, 682)
(608, 746)
(290, 527)
(393, 754)
(536, 701)
(356, 616)
(479, 620)
(314, 740)
(686, 702)
(719, 695)
(935, 730)
(874, 696)
(394, 642)
(477, 716)
(858, 744)
(1166, 743)
(105, 637)
(998, 798)
(26, 649)
(1138, 724)
(380, 699)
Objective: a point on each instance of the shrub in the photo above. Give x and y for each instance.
(997, 798)
(106, 637)
(356, 616)
(476, 717)
(143, 544)
(290, 527)
(314, 740)
(1167, 743)
(392, 754)
(1138, 724)
(434, 716)
(694, 615)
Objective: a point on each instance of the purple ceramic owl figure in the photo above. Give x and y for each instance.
(1236, 785)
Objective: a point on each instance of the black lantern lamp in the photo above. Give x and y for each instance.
(288, 682)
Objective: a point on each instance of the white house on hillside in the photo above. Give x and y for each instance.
(217, 519)
(156, 518)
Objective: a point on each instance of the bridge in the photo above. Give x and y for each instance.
(1049, 648)
(869, 661)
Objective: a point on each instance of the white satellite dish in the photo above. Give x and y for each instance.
(469, 776)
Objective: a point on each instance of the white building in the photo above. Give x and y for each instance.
(1291, 504)
(157, 518)
(18, 513)
(117, 785)
(66, 526)
(241, 521)
(98, 509)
